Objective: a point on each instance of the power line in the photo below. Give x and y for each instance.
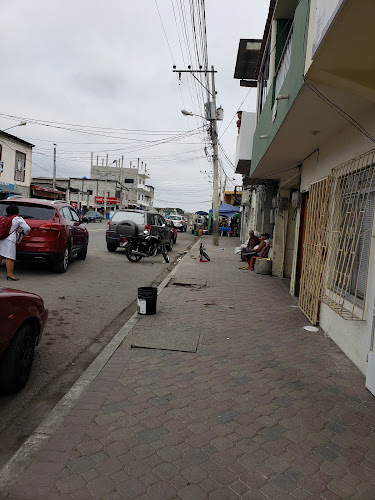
(165, 33)
(40, 121)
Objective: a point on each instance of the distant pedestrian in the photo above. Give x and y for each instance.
(8, 245)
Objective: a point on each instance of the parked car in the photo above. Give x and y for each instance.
(142, 219)
(178, 222)
(92, 216)
(22, 320)
(57, 233)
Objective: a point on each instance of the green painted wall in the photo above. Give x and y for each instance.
(291, 86)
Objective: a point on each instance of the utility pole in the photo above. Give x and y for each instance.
(105, 186)
(54, 168)
(215, 194)
(214, 138)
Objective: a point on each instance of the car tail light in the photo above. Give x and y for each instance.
(147, 227)
(106, 231)
(53, 226)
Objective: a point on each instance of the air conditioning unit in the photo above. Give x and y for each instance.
(245, 197)
(296, 199)
(282, 203)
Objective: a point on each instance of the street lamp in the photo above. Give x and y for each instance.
(21, 124)
(189, 113)
(215, 157)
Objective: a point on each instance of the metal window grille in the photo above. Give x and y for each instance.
(19, 171)
(349, 236)
(314, 249)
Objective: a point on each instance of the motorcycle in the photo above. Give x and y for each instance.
(139, 246)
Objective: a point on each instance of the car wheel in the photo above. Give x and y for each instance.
(170, 245)
(62, 265)
(16, 364)
(83, 253)
(111, 247)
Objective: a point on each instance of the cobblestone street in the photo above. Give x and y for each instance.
(263, 410)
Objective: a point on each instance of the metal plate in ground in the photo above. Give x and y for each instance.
(177, 339)
(188, 282)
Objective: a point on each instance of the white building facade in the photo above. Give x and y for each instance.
(133, 178)
(15, 165)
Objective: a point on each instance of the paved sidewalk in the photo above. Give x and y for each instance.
(262, 410)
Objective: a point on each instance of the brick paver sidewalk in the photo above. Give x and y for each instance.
(262, 410)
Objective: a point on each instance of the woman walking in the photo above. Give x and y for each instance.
(8, 245)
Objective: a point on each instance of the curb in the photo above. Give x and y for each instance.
(20, 461)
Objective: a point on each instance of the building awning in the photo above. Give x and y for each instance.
(247, 58)
(7, 188)
(46, 190)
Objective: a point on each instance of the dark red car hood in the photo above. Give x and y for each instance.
(11, 292)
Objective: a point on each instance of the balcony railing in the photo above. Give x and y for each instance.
(284, 63)
(144, 187)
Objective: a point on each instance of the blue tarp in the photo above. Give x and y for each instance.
(227, 210)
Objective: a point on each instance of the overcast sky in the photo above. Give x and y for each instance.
(108, 65)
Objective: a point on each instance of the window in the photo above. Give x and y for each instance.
(37, 212)
(136, 217)
(74, 215)
(349, 231)
(65, 212)
(263, 77)
(19, 170)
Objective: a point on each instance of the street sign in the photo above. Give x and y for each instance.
(110, 201)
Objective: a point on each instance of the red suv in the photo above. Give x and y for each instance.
(57, 233)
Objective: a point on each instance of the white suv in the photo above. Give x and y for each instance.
(178, 222)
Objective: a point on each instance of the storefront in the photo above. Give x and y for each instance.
(7, 190)
(111, 204)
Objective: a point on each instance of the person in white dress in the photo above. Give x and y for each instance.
(8, 245)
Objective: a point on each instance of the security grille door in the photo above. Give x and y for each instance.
(314, 249)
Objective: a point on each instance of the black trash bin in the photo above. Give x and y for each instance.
(147, 298)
